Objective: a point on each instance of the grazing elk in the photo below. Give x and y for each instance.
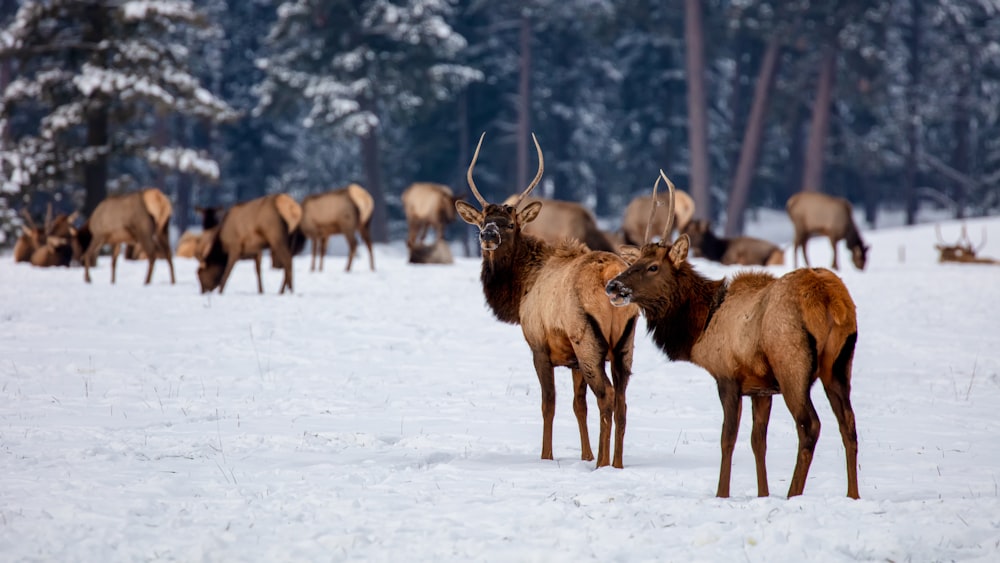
(743, 251)
(813, 213)
(427, 206)
(636, 213)
(561, 220)
(757, 335)
(344, 211)
(138, 218)
(962, 251)
(556, 294)
(246, 230)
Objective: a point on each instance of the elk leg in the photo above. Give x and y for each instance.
(230, 262)
(322, 251)
(546, 378)
(840, 402)
(256, 266)
(115, 249)
(314, 250)
(621, 368)
(580, 410)
(352, 247)
(833, 243)
(367, 237)
(732, 406)
(165, 243)
(90, 256)
(808, 426)
(761, 406)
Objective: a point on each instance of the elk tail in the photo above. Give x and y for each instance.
(289, 209)
(363, 200)
(158, 206)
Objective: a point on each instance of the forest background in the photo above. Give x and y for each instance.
(890, 103)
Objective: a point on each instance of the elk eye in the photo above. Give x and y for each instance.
(653, 268)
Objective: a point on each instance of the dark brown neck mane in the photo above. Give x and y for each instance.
(510, 273)
(676, 326)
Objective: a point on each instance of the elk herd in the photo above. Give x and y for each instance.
(576, 291)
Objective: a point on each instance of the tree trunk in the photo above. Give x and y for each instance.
(95, 171)
(524, 104)
(912, 134)
(697, 108)
(373, 178)
(812, 177)
(961, 132)
(752, 139)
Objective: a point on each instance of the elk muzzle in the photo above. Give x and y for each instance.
(618, 292)
(489, 236)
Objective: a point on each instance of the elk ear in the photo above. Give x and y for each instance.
(679, 250)
(529, 213)
(629, 253)
(468, 213)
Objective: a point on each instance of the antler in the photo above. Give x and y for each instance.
(468, 175)
(538, 175)
(27, 217)
(652, 213)
(665, 239)
(48, 218)
(937, 231)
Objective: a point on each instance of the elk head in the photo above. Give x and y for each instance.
(498, 223)
(651, 275)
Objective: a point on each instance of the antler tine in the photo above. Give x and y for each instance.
(468, 175)
(538, 175)
(665, 239)
(652, 213)
(937, 231)
(965, 237)
(27, 217)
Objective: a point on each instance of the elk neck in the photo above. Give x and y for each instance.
(677, 325)
(510, 273)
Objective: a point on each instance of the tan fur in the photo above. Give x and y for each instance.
(187, 245)
(637, 216)
(26, 244)
(757, 335)
(289, 209)
(817, 214)
(344, 211)
(138, 218)
(427, 206)
(559, 221)
(436, 253)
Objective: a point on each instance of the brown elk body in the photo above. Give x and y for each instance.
(437, 253)
(757, 335)
(556, 294)
(187, 245)
(637, 214)
(427, 206)
(560, 220)
(138, 218)
(816, 214)
(53, 244)
(346, 211)
(962, 251)
(742, 251)
(245, 232)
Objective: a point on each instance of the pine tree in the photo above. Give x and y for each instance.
(90, 75)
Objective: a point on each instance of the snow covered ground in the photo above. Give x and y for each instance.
(388, 416)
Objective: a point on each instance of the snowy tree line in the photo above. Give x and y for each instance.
(743, 102)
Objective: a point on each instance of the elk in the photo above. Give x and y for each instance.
(560, 220)
(813, 213)
(344, 211)
(187, 246)
(555, 293)
(757, 335)
(246, 230)
(743, 251)
(138, 218)
(437, 253)
(49, 245)
(635, 218)
(427, 206)
(962, 251)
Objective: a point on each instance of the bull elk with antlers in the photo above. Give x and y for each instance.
(962, 251)
(556, 294)
(138, 218)
(816, 214)
(53, 244)
(757, 335)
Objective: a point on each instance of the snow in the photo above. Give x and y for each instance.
(387, 416)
